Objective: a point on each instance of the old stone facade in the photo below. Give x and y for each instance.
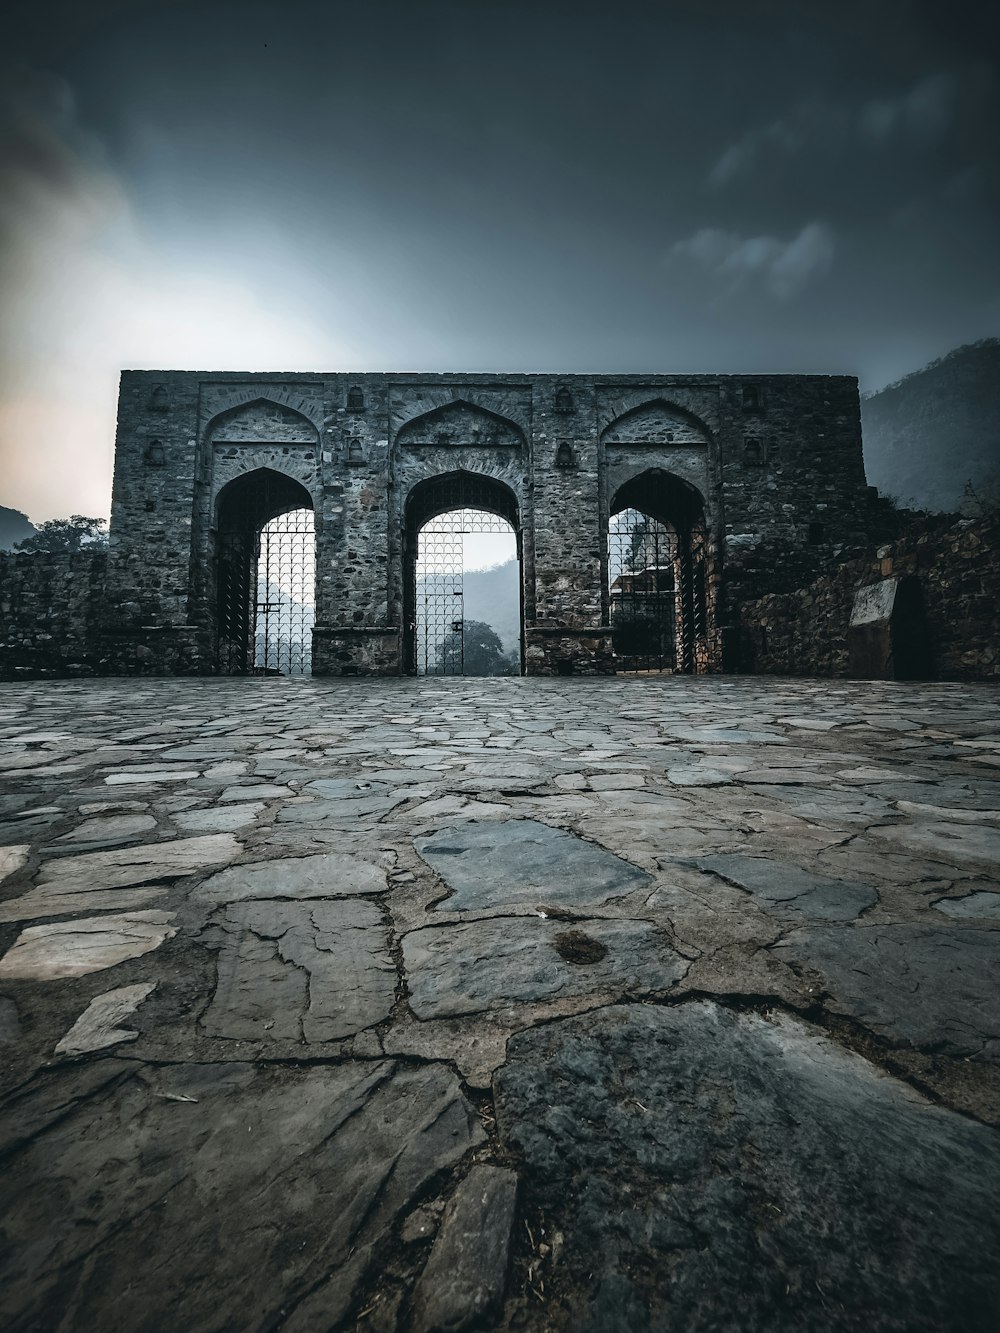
(763, 474)
(762, 465)
(953, 569)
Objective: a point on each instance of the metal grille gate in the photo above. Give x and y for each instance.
(656, 593)
(266, 589)
(285, 599)
(440, 599)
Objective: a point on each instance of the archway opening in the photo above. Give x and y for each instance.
(265, 576)
(657, 588)
(463, 608)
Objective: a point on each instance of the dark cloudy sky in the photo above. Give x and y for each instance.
(759, 185)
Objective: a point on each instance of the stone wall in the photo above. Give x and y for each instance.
(84, 614)
(957, 566)
(776, 461)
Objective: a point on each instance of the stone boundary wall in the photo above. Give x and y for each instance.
(804, 632)
(83, 614)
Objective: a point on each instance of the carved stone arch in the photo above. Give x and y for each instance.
(289, 461)
(219, 401)
(460, 422)
(261, 419)
(664, 495)
(656, 421)
(441, 492)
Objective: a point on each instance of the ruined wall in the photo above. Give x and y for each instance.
(67, 615)
(957, 564)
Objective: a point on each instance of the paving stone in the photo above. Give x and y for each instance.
(51, 900)
(13, 858)
(87, 944)
(463, 1281)
(325, 875)
(228, 820)
(846, 807)
(791, 890)
(984, 904)
(953, 843)
(928, 986)
(714, 1170)
(97, 1027)
(138, 864)
(130, 776)
(315, 972)
(522, 862)
(307, 1171)
(472, 966)
(694, 775)
(110, 828)
(260, 791)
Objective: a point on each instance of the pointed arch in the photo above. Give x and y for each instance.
(656, 421)
(263, 419)
(460, 423)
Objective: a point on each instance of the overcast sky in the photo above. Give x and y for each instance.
(747, 185)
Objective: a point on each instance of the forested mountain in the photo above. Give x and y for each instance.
(14, 527)
(932, 433)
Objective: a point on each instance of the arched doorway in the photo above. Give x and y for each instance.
(657, 587)
(265, 575)
(462, 578)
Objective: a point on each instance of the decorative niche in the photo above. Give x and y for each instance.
(565, 458)
(158, 399)
(563, 399)
(754, 451)
(753, 398)
(154, 455)
(355, 399)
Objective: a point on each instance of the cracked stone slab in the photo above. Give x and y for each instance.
(964, 844)
(825, 803)
(472, 966)
(984, 904)
(50, 900)
(308, 1170)
(926, 986)
(697, 775)
(140, 864)
(737, 1172)
(97, 1027)
(227, 820)
(343, 799)
(463, 1280)
(300, 971)
(110, 828)
(88, 944)
(791, 890)
(13, 858)
(325, 875)
(522, 862)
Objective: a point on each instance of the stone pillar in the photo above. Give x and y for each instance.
(568, 632)
(354, 634)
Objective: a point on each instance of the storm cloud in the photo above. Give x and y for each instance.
(756, 186)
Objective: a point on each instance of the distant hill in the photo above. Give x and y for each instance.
(929, 434)
(14, 527)
(493, 596)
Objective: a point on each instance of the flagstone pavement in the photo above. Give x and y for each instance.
(598, 1004)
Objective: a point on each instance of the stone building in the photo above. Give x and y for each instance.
(758, 480)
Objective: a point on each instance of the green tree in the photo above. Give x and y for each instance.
(474, 650)
(67, 534)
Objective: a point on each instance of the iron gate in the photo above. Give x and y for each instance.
(266, 585)
(656, 594)
(440, 624)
